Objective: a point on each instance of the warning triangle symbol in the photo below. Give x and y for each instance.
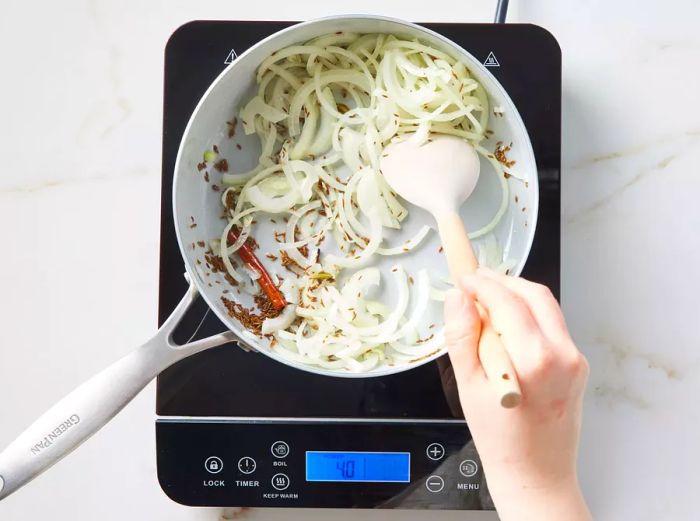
(231, 56)
(491, 60)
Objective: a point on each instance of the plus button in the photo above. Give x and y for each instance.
(435, 451)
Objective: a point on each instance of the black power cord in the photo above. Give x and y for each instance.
(501, 12)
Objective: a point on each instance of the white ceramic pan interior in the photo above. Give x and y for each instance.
(196, 202)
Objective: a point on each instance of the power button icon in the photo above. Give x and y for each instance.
(213, 465)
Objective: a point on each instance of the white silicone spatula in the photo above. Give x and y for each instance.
(439, 176)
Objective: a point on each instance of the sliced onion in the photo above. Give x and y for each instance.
(375, 238)
(358, 94)
(255, 107)
(280, 322)
(409, 245)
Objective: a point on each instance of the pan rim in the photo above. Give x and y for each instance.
(246, 337)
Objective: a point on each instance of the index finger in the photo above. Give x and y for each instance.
(509, 315)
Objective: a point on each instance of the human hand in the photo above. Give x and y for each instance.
(528, 452)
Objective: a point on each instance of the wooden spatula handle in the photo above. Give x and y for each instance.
(494, 358)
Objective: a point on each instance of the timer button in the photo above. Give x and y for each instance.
(435, 484)
(279, 449)
(280, 481)
(435, 451)
(246, 465)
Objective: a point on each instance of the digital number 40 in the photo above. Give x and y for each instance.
(346, 468)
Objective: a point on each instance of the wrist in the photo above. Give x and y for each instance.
(539, 501)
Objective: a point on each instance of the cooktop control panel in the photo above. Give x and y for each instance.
(320, 463)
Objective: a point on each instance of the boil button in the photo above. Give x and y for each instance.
(279, 449)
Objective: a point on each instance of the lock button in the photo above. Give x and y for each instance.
(213, 465)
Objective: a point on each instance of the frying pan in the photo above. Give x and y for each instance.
(197, 212)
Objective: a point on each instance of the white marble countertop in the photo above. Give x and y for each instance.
(80, 119)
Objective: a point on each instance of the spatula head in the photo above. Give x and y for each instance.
(438, 175)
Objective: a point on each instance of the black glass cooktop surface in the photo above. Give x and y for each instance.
(230, 382)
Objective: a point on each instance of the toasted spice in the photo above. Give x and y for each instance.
(290, 263)
(423, 357)
(500, 154)
(441, 249)
(247, 317)
(218, 266)
(267, 309)
(232, 127)
(201, 244)
(215, 261)
(238, 146)
(206, 176)
(270, 256)
(201, 166)
(216, 149)
(222, 165)
(231, 200)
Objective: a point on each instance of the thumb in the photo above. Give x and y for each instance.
(462, 332)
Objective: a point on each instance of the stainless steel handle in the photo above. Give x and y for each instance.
(93, 404)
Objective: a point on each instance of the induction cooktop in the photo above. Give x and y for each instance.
(236, 428)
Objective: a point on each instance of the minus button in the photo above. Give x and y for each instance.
(435, 483)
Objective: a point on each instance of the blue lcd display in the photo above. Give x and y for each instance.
(384, 467)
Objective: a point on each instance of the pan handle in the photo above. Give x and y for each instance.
(94, 403)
